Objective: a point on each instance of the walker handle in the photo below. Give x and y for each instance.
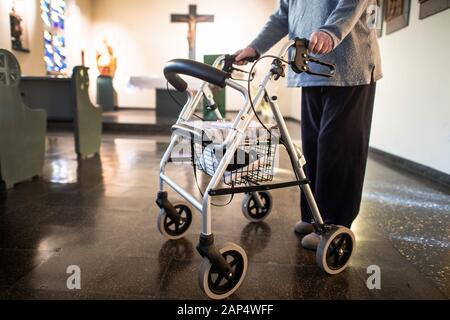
(230, 60)
(194, 69)
(302, 60)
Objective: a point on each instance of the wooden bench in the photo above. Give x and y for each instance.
(67, 100)
(22, 130)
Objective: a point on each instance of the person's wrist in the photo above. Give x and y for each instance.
(255, 52)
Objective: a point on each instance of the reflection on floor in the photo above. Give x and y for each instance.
(100, 215)
(130, 116)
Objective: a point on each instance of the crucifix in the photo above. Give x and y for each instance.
(192, 19)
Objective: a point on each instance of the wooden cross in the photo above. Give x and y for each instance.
(192, 19)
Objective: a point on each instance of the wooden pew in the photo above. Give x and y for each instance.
(88, 118)
(22, 130)
(67, 100)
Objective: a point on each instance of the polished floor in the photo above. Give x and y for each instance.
(130, 116)
(100, 215)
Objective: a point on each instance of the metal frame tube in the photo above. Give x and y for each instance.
(246, 115)
(165, 159)
(190, 106)
(286, 48)
(294, 155)
(186, 195)
(236, 139)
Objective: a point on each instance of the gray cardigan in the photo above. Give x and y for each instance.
(356, 52)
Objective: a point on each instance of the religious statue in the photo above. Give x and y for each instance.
(18, 32)
(192, 32)
(106, 61)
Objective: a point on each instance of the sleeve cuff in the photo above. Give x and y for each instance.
(259, 48)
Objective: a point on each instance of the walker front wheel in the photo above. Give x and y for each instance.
(256, 211)
(219, 286)
(173, 229)
(335, 250)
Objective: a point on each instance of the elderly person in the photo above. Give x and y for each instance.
(336, 112)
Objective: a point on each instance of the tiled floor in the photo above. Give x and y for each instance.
(100, 215)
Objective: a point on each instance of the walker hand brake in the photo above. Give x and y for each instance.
(303, 60)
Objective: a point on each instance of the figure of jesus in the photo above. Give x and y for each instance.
(192, 32)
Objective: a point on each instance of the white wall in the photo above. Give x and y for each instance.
(79, 37)
(144, 38)
(5, 8)
(31, 63)
(412, 112)
(77, 33)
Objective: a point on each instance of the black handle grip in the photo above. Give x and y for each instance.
(248, 59)
(194, 69)
(230, 60)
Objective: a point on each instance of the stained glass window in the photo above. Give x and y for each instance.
(53, 17)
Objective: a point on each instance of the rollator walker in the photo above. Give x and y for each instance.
(222, 271)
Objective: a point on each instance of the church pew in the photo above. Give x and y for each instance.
(22, 130)
(88, 118)
(67, 100)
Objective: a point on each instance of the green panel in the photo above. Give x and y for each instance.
(88, 119)
(106, 93)
(219, 94)
(22, 130)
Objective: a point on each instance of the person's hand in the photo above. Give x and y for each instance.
(243, 54)
(320, 43)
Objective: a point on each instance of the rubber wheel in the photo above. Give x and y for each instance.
(170, 228)
(335, 250)
(214, 284)
(251, 210)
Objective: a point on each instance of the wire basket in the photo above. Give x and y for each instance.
(253, 161)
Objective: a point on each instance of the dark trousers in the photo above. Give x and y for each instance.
(336, 123)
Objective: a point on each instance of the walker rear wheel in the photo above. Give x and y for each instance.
(252, 211)
(172, 229)
(218, 286)
(335, 250)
